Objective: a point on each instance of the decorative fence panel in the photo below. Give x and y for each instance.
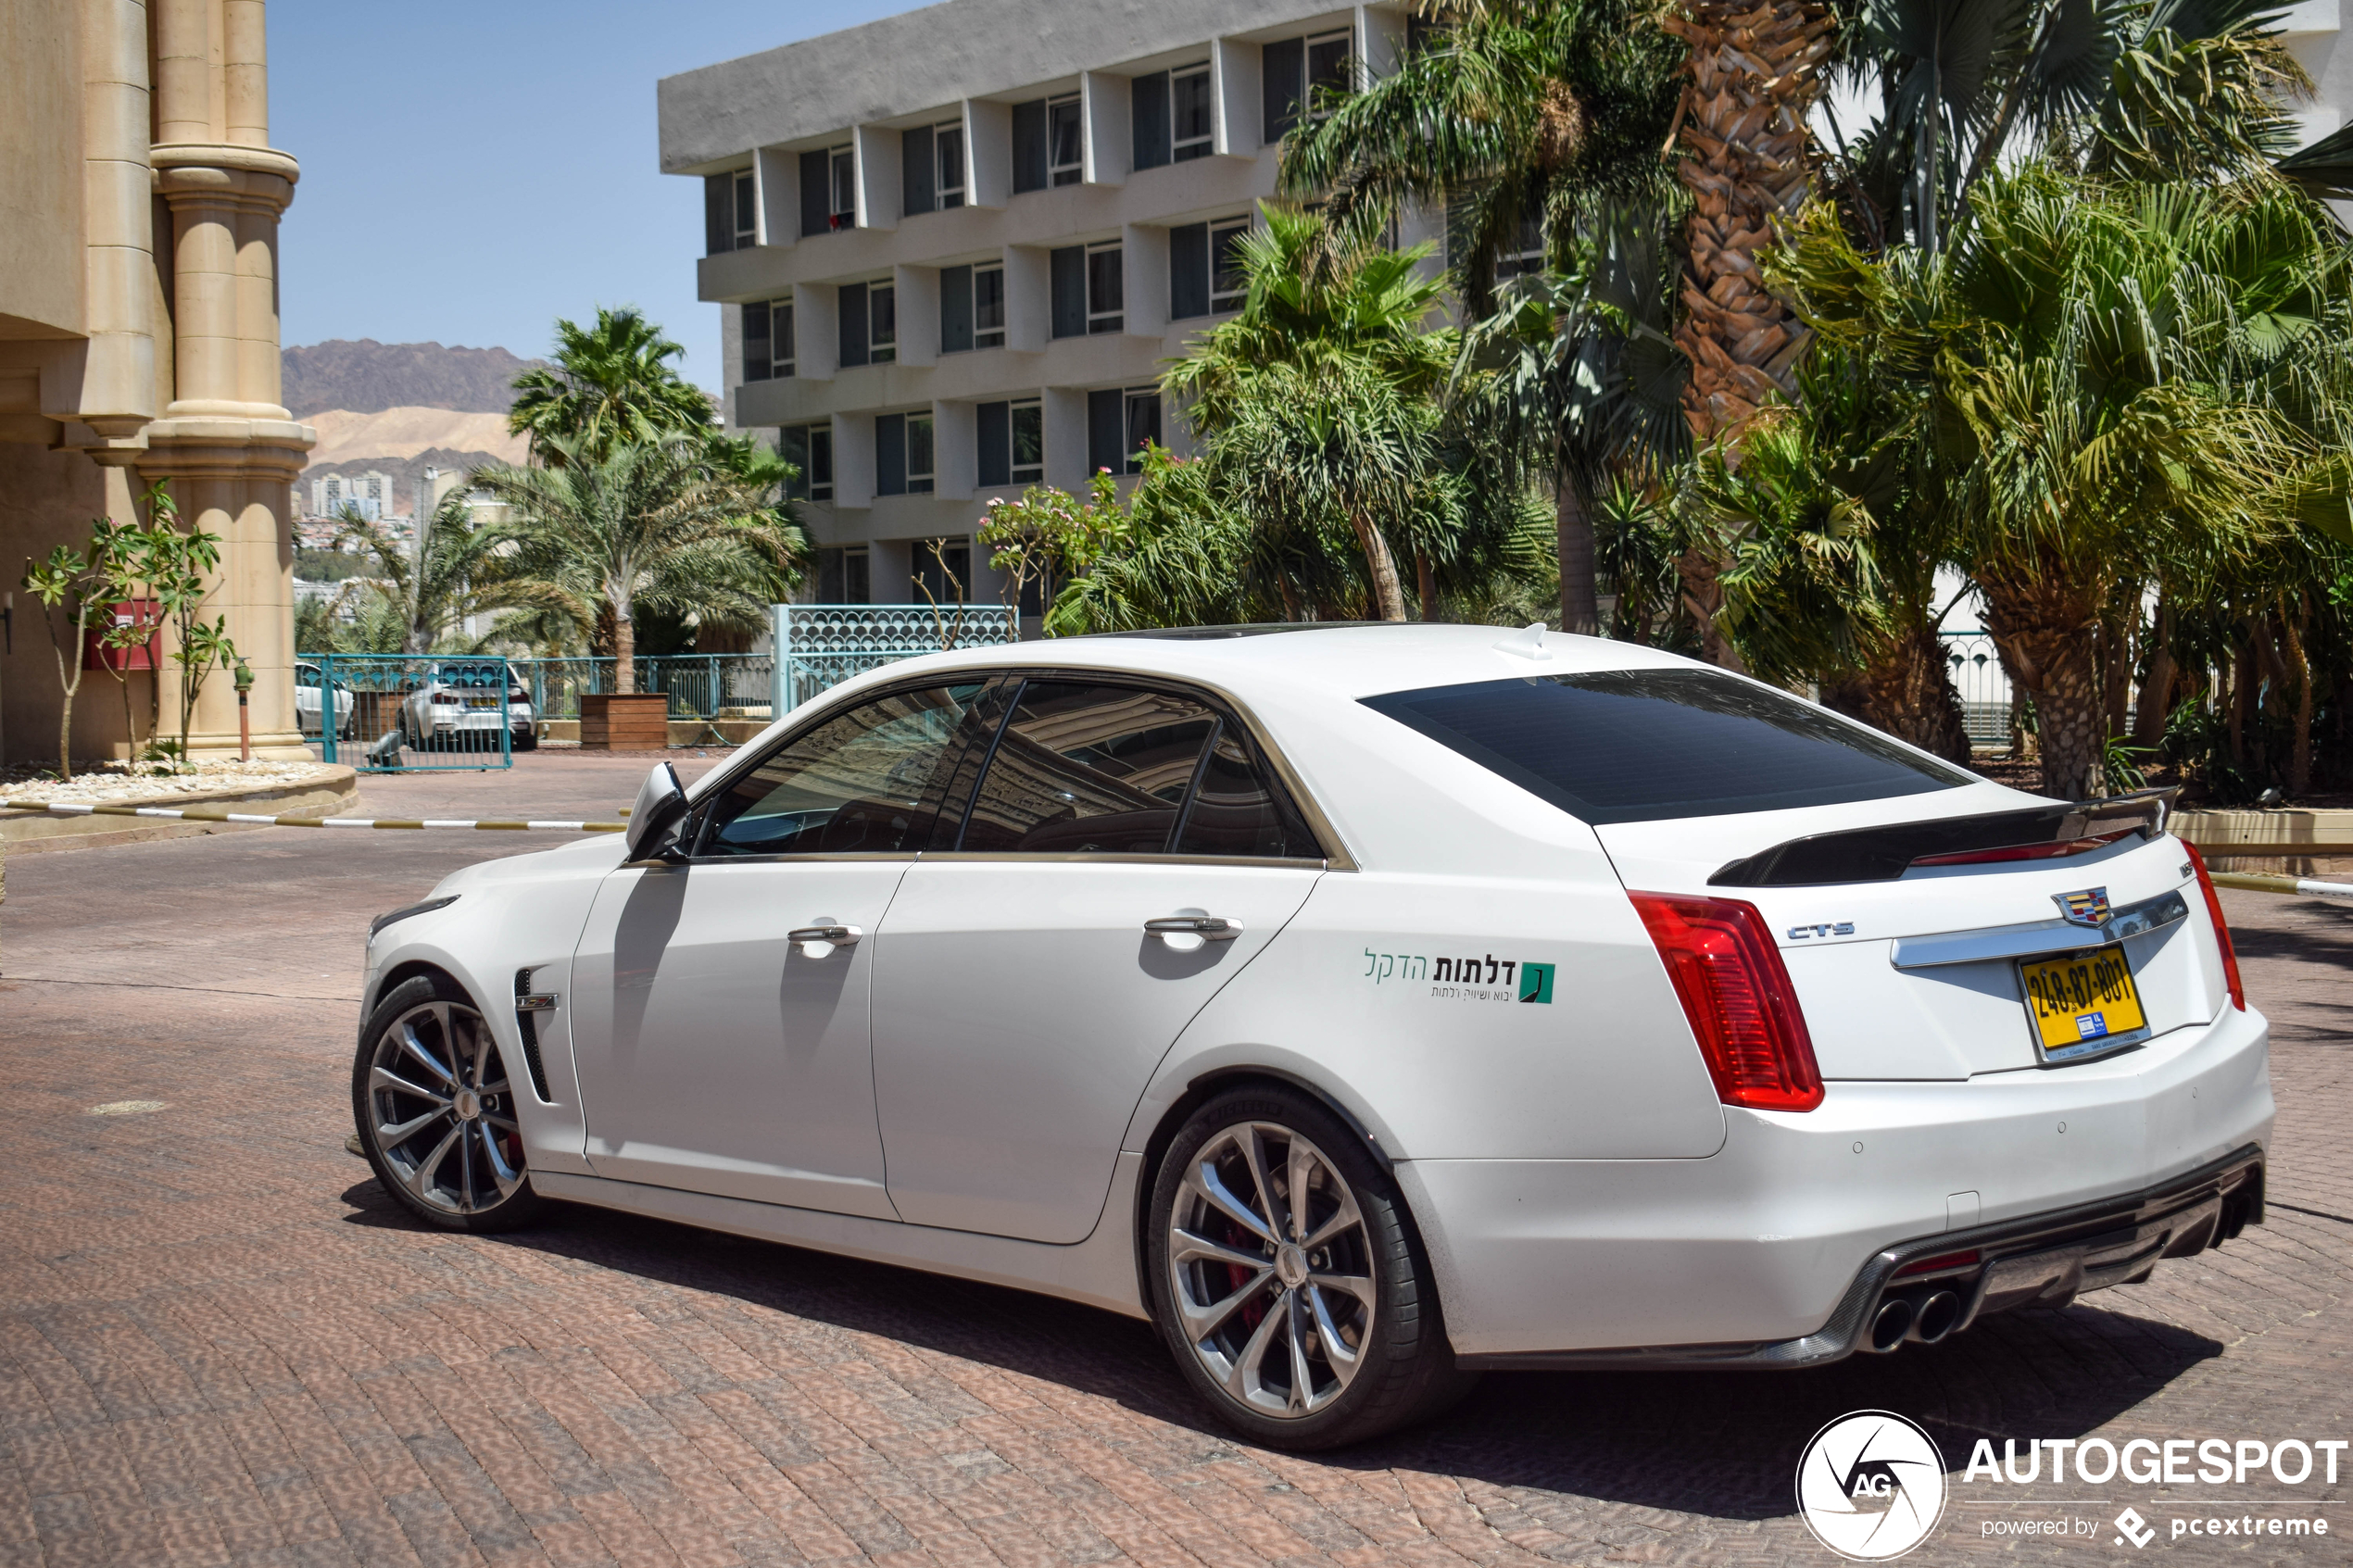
(1983, 686)
(394, 713)
(700, 685)
(822, 646)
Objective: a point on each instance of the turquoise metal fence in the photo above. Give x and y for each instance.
(822, 646)
(396, 713)
(700, 685)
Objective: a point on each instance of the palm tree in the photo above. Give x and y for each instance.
(1523, 119)
(1514, 114)
(611, 382)
(653, 524)
(1317, 402)
(416, 600)
(2110, 377)
(1755, 71)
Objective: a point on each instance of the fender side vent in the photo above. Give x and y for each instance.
(527, 1023)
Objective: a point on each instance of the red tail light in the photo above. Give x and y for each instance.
(2222, 927)
(1737, 997)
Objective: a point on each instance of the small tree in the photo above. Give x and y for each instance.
(67, 587)
(177, 566)
(1051, 535)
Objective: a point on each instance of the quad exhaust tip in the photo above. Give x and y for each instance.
(1890, 1324)
(1923, 1317)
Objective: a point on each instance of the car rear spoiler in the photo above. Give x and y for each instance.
(1883, 854)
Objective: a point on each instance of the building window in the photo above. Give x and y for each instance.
(1064, 141)
(882, 323)
(1119, 425)
(1206, 273)
(1089, 292)
(1106, 296)
(1029, 146)
(810, 449)
(1013, 442)
(972, 306)
(844, 576)
(947, 148)
(1293, 70)
(903, 454)
(768, 340)
(1170, 111)
(1189, 111)
(944, 575)
(869, 323)
(731, 212)
(1524, 252)
(829, 191)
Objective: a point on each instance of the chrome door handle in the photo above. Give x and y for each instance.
(834, 935)
(1214, 928)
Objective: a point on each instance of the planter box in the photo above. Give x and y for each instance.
(613, 722)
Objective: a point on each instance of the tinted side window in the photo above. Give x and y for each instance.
(1638, 745)
(870, 781)
(1238, 808)
(1086, 769)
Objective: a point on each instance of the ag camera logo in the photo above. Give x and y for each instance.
(1870, 1485)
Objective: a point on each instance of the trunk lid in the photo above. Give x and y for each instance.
(1890, 986)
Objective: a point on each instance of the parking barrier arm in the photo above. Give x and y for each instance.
(212, 814)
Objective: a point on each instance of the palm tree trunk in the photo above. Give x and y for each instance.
(625, 651)
(2044, 629)
(1385, 590)
(2299, 759)
(1573, 526)
(1426, 582)
(1908, 692)
(1752, 83)
(1700, 572)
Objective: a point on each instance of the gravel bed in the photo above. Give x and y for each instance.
(112, 784)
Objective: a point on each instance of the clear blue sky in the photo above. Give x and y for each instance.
(471, 172)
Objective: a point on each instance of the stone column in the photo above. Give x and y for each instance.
(226, 442)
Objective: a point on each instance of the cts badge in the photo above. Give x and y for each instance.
(2087, 906)
(1836, 928)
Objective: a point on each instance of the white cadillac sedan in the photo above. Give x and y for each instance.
(1365, 1005)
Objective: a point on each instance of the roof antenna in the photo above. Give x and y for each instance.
(1527, 644)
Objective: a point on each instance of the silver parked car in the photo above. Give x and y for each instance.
(460, 706)
(309, 684)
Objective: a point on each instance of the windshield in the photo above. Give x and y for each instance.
(1638, 745)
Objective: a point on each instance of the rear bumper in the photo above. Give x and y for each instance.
(1757, 1254)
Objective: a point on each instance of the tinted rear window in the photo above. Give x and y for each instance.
(1639, 746)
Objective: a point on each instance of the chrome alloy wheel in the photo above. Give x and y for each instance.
(1271, 1270)
(440, 1113)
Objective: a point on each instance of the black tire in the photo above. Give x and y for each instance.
(481, 1137)
(1404, 1368)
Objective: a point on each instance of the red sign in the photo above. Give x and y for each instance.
(96, 654)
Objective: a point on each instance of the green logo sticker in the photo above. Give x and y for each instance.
(1536, 983)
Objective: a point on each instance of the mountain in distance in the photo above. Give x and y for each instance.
(368, 377)
(399, 407)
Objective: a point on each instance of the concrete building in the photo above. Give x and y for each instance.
(139, 204)
(370, 493)
(955, 245)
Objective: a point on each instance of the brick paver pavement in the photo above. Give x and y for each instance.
(219, 1343)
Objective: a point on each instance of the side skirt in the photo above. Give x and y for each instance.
(1099, 1271)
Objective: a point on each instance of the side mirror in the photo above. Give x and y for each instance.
(661, 801)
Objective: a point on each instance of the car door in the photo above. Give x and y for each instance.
(1021, 997)
(721, 1006)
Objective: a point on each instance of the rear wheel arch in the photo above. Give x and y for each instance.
(1200, 1092)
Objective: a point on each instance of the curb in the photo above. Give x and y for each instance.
(29, 835)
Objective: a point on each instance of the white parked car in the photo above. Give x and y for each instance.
(309, 684)
(1365, 1005)
(461, 705)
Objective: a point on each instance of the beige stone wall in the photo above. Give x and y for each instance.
(139, 330)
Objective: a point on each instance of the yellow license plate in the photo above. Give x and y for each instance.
(2081, 1002)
